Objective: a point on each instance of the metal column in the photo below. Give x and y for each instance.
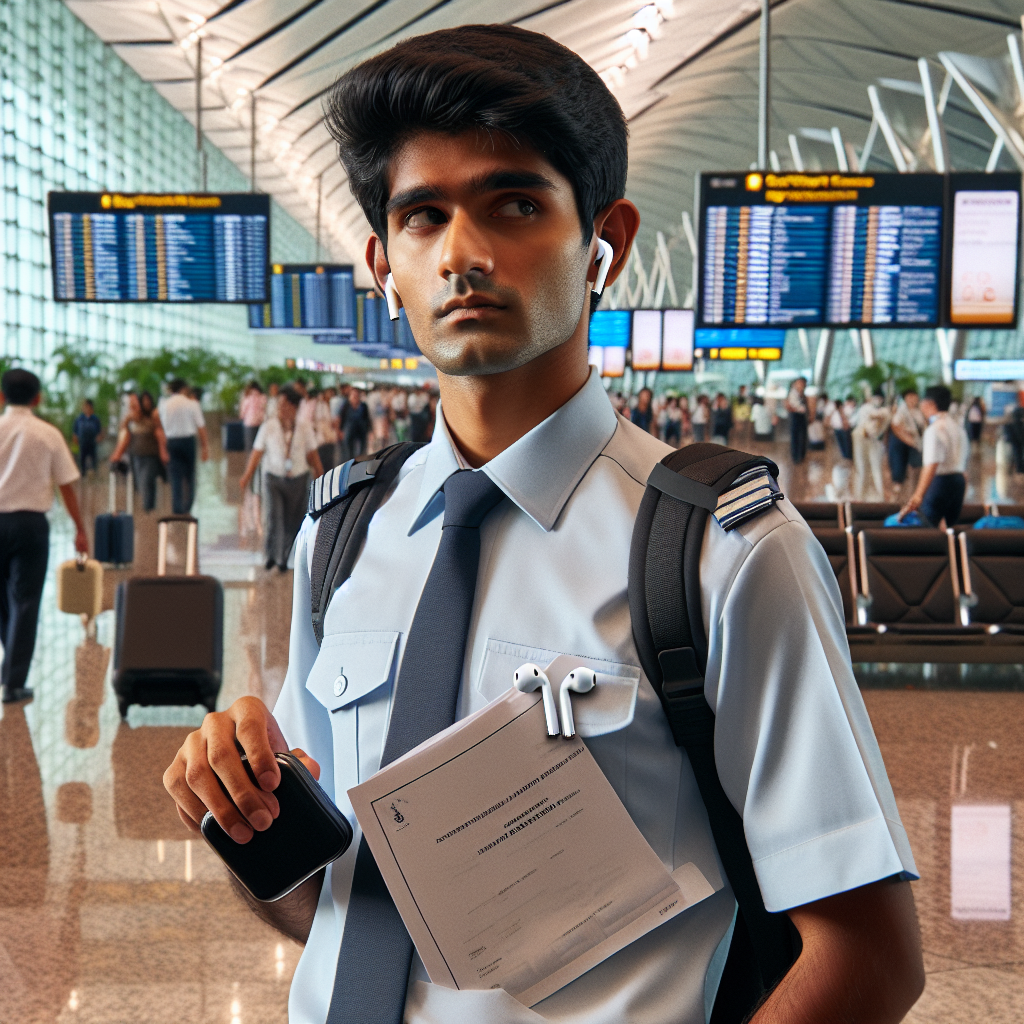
(200, 153)
(762, 86)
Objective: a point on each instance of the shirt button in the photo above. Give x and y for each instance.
(340, 685)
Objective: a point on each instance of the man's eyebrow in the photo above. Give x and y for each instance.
(411, 196)
(498, 181)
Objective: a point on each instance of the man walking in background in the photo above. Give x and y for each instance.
(87, 429)
(183, 422)
(289, 450)
(940, 489)
(33, 458)
(796, 405)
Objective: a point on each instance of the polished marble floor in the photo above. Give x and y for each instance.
(111, 914)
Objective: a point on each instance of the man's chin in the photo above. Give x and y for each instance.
(480, 357)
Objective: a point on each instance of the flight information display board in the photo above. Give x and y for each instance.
(144, 247)
(309, 298)
(820, 250)
(737, 344)
(984, 247)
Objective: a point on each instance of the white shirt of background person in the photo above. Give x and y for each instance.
(181, 416)
(946, 445)
(284, 453)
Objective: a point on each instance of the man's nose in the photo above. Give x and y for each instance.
(466, 249)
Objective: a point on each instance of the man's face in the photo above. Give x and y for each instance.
(486, 249)
(286, 413)
(928, 407)
(912, 400)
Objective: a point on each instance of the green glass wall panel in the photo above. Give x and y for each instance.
(74, 116)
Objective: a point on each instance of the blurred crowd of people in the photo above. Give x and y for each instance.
(866, 432)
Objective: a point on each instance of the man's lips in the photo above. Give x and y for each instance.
(469, 308)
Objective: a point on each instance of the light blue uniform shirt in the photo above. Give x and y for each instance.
(795, 749)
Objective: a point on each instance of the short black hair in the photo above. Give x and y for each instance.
(498, 78)
(89, 402)
(290, 395)
(940, 395)
(908, 391)
(19, 387)
(177, 386)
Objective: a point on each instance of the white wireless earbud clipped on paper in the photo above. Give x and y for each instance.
(391, 297)
(580, 680)
(530, 679)
(605, 255)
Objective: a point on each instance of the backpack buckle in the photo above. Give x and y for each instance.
(682, 693)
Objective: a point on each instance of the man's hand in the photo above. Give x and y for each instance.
(81, 541)
(209, 757)
(860, 962)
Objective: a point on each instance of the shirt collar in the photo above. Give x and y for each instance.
(541, 470)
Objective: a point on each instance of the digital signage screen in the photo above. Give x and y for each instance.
(646, 339)
(820, 250)
(739, 344)
(149, 247)
(309, 298)
(677, 339)
(609, 328)
(988, 369)
(983, 249)
(614, 362)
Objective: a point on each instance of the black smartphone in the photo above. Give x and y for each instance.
(307, 835)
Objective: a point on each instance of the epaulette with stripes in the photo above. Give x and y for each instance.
(327, 490)
(751, 493)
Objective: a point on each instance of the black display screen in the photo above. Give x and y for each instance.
(820, 250)
(145, 247)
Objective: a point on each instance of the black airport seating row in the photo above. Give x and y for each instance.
(912, 594)
(864, 515)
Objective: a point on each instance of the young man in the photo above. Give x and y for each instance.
(796, 404)
(489, 160)
(34, 458)
(905, 432)
(289, 450)
(87, 429)
(183, 422)
(940, 489)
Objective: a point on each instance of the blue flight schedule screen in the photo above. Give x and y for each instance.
(791, 250)
(311, 298)
(113, 247)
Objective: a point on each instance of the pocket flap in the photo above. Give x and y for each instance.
(350, 666)
(610, 706)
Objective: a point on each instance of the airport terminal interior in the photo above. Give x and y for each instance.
(846, 122)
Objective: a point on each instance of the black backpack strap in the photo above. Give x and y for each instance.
(668, 628)
(344, 500)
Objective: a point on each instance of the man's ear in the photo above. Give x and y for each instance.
(377, 261)
(617, 224)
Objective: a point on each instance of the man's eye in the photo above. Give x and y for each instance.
(428, 217)
(517, 208)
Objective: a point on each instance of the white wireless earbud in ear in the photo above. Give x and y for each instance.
(391, 297)
(579, 680)
(605, 255)
(530, 679)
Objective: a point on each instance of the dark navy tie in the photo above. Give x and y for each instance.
(376, 951)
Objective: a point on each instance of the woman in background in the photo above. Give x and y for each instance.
(142, 437)
(252, 409)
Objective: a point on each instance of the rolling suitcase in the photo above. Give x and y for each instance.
(114, 534)
(80, 587)
(168, 646)
(232, 436)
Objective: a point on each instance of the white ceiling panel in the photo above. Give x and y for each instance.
(690, 96)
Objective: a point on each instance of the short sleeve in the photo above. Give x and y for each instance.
(63, 465)
(934, 447)
(303, 719)
(793, 742)
(260, 443)
(197, 415)
(309, 440)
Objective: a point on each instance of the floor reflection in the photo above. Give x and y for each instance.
(111, 912)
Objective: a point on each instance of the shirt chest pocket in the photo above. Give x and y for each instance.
(608, 708)
(352, 678)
